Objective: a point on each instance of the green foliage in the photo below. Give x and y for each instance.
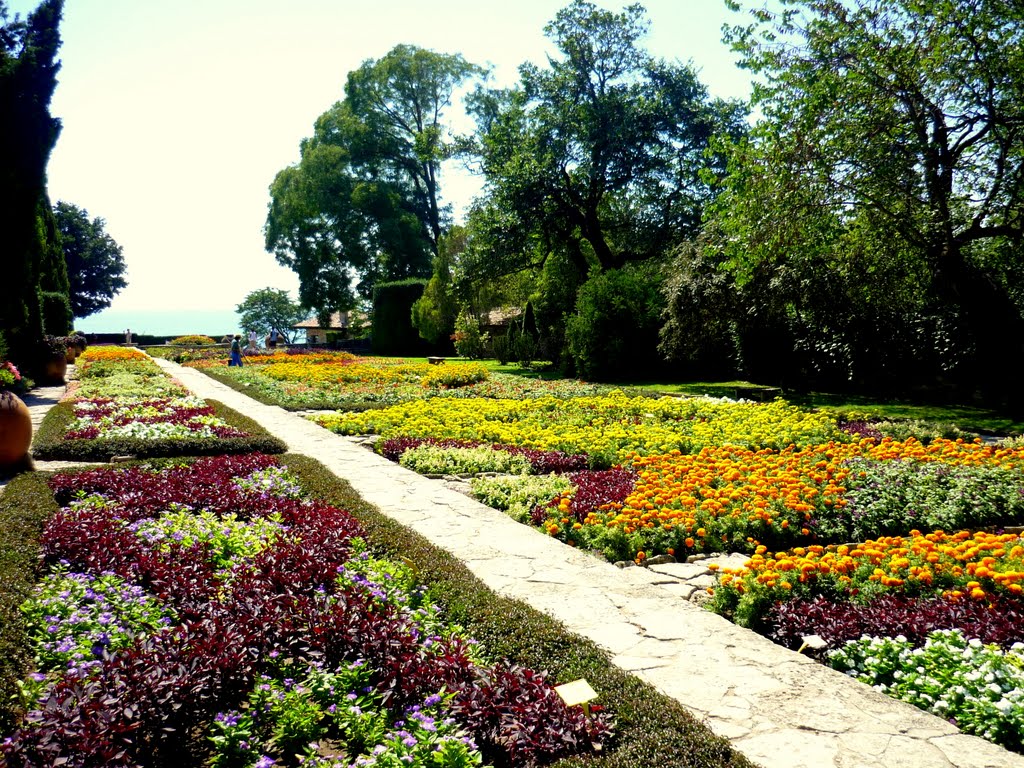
(25, 506)
(268, 308)
(891, 498)
(599, 156)
(28, 76)
(67, 627)
(501, 349)
(433, 314)
(469, 342)
(363, 203)
(433, 460)
(908, 240)
(613, 334)
(95, 263)
(55, 310)
(518, 495)
(393, 333)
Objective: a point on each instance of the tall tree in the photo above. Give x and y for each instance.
(95, 263)
(28, 76)
(892, 139)
(600, 155)
(269, 308)
(364, 202)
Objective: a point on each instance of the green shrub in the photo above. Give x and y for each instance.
(518, 495)
(25, 506)
(469, 342)
(393, 332)
(613, 334)
(56, 310)
(501, 349)
(432, 460)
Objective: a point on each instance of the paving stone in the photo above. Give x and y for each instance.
(681, 571)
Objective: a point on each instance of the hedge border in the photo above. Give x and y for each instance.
(49, 442)
(25, 505)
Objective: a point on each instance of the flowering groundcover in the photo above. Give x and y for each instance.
(298, 634)
(319, 380)
(147, 634)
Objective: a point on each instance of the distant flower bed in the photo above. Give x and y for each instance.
(317, 379)
(228, 620)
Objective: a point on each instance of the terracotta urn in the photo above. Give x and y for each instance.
(55, 369)
(70, 355)
(15, 430)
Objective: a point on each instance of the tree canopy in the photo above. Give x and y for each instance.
(364, 202)
(95, 263)
(268, 308)
(28, 76)
(889, 154)
(601, 154)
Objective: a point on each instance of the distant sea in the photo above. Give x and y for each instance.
(159, 322)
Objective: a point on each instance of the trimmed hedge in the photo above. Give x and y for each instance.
(49, 442)
(651, 728)
(393, 332)
(25, 506)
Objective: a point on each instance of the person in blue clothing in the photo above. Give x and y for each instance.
(236, 351)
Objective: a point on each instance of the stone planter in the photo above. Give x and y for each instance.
(54, 369)
(15, 430)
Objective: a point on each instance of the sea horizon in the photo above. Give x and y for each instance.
(162, 322)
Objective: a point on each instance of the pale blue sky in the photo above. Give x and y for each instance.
(177, 115)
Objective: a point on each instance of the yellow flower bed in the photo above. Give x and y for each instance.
(613, 425)
(343, 372)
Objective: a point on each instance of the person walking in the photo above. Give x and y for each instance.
(236, 351)
(273, 338)
(253, 347)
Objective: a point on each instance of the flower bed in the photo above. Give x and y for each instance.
(276, 633)
(318, 380)
(123, 404)
(612, 428)
(273, 627)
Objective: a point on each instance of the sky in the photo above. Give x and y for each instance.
(178, 115)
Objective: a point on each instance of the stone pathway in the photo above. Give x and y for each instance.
(778, 707)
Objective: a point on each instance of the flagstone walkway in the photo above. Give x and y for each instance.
(779, 708)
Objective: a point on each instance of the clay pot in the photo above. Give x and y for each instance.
(70, 355)
(55, 369)
(15, 430)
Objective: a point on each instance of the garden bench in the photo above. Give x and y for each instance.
(435, 360)
(760, 394)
